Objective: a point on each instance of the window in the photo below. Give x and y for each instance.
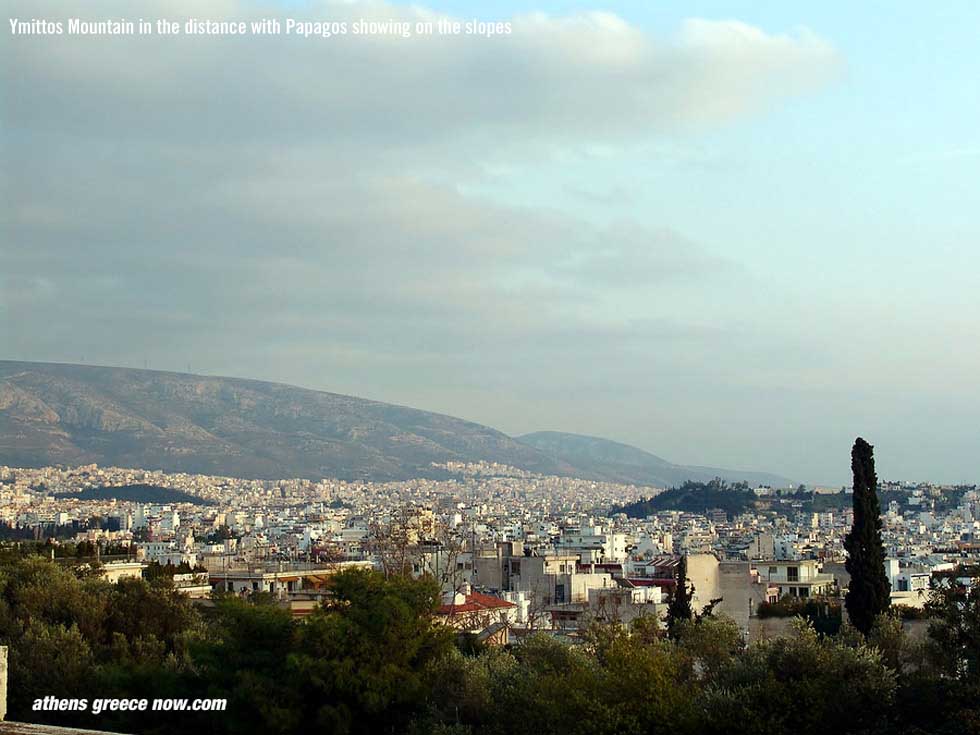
(773, 571)
(793, 574)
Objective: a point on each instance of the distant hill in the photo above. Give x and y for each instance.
(80, 414)
(136, 494)
(694, 497)
(624, 463)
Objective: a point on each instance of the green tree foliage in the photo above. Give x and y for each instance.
(373, 660)
(868, 593)
(708, 645)
(550, 690)
(803, 684)
(955, 628)
(695, 497)
(247, 656)
(79, 637)
(647, 686)
(221, 533)
(363, 656)
(617, 683)
(823, 613)
(142, 611)
(679, 605)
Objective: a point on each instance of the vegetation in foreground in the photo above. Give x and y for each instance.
(373, 661)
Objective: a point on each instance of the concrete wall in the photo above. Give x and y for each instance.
(702, 572)
(761, 629)
(769, 628)
(740, 596)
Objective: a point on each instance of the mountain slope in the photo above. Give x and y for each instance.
(71, 414)
(79, 414)
(624, 463)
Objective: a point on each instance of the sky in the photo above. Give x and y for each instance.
(731, 233)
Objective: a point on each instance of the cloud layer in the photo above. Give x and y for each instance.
(309, 209)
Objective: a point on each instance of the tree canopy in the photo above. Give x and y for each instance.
(694, 497)
(868, 593)
(374, 659)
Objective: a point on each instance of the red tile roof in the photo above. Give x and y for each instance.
(653, 582)
(475, 601)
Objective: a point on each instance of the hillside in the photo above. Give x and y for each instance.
(79, 414)
(625, 463)
(136, 494)
(694, 497)
(75, 414)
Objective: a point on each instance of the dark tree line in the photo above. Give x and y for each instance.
(694, 497)
(868, 593)
(374, 661)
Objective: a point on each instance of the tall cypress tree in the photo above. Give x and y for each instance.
(869, 591)
(679, 607)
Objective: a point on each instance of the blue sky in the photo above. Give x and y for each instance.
(736, 234)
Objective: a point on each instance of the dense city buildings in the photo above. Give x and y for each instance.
(513, 551)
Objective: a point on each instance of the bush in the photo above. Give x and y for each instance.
(823, 613)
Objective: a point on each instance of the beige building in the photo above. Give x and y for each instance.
(279, 582)
(113, 571)
(798, 578)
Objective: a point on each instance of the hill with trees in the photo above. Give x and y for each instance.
(136, 494)
(694, 497)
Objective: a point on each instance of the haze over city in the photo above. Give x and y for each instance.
(735, 234)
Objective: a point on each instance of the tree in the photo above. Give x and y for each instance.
(362, 658)
(847, 689)
(955, 627)
(679, 608)
(868, 594)
(395, 541)
(246, 656)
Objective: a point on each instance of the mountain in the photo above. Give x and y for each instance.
(623, 463)
(79, 414)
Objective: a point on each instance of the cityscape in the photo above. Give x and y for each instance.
(506, 562)
(553, 553)
(444, 367)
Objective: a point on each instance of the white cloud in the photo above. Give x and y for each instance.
(591, 76)
(306, 204)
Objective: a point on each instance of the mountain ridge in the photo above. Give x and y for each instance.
(59, 413)
(618, 459)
